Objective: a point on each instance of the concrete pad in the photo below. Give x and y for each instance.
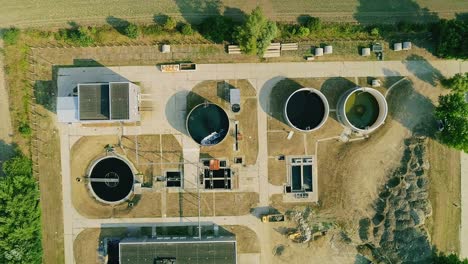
(251, 258)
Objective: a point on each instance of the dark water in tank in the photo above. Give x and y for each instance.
(112, 168)
(205, 120)
(305, 110)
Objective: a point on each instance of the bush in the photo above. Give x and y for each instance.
(10, 36)
(80, 36)
(303, 32)
(407, 27)
(217, 29)
(169, 24)
(131, 31)
(313, 23)
(442, 258)
(186, 29)
(151, 30)
(256, 34)
(375, 32)
(458, 83)
(24, 129)
(453, 111)
(20, 229)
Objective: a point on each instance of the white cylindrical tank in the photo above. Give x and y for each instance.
(306, 109)
(362, 109)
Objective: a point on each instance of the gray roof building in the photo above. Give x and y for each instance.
(113, 101)
(219, 250)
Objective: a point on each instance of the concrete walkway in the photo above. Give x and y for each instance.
(263, 77)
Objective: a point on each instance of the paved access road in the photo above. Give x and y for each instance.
(263, 76)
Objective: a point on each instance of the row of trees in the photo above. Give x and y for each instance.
(453, 112)
(20, 227)
(442, 258)
(450, 37)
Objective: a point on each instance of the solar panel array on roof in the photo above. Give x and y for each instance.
(119, 100)
(104, 101)
(195, 252)
(94, 101)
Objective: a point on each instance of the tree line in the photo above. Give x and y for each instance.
(20, 224)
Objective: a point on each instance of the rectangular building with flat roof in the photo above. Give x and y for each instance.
(181, 251)
(113, 101)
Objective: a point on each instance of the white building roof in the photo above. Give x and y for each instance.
(67, 109)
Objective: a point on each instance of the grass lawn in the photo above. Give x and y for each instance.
(444, 193)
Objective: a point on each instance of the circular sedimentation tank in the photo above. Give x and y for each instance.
(362, 109)
(207, 124)
(306, 109)
(111, 179)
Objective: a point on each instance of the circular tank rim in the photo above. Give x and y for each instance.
(187, 119)
(90, 170)
(325, 104)
(379, 97)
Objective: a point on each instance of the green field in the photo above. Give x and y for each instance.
(60, 12)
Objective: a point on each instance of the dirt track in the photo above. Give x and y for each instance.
(5, 126)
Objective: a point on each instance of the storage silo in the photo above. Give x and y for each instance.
(306, 109)
(362, 109)
(207, 124)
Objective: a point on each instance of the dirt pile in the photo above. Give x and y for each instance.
(396, 233)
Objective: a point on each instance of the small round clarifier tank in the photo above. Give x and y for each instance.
(111, 179)
(207, 124)
(362, 109)
(306, 109)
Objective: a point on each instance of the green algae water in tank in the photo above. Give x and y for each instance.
(362, 109)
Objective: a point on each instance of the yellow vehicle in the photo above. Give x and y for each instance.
(273, 218)
(296, 236)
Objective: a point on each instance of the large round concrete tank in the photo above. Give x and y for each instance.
(111, 179)
(207, 124)
(362, 109)
(306, 109)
